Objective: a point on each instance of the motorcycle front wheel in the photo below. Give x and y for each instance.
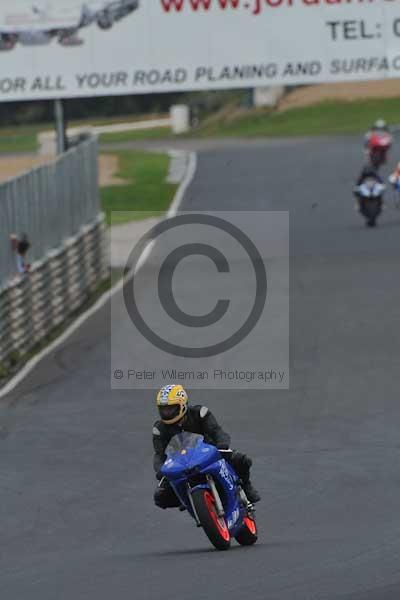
(214, 526)
(247, 534)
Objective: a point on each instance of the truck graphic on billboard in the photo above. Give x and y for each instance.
(38, 23)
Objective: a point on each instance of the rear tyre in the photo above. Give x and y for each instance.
(371, 223)
(247, 534)
(215, 527)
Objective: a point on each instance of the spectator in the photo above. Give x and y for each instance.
(20, 245)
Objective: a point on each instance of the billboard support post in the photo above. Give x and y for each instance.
(60, 126)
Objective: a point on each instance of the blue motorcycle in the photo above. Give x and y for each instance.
(209, 490)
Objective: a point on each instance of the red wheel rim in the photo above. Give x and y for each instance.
(250, 524)
(219, 521)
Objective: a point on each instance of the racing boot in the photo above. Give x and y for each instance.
(252, 495)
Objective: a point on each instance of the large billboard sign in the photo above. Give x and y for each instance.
(70, 48)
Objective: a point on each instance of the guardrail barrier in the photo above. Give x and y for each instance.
(58, 207)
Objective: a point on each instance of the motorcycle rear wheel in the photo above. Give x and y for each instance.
(214, 526)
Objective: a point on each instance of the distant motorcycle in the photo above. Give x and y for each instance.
(370, 199)
(378, 147)
(210, 490)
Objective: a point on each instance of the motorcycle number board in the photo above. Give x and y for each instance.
(71, 48)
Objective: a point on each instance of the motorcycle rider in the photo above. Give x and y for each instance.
(379, 128)
(367, 172)
(394, 178)
(378, 141)
(177, 416)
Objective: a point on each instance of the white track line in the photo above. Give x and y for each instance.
(31, 364)
(182, 189)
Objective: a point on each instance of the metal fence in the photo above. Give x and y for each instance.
(49, 204)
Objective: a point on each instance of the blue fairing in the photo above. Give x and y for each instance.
(189, 460)
(201, 457)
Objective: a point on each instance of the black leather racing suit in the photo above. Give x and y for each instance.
(198, 419)
(368, 172)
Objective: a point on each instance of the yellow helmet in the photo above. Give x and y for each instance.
(172, 402)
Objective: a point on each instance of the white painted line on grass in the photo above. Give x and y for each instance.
(31, 364)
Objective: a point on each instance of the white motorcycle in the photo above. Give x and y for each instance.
(370, 199)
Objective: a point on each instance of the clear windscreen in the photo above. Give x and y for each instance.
(183, 441)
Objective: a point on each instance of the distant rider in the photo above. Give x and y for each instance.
(378, 141)
(177, 416)
(368, 172)
(379, 128)
(394, 178)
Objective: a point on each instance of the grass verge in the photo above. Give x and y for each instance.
(156, 133)
(24, 138)
(19, 140)
(324, 118)
(146, 189)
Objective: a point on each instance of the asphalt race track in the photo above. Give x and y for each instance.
(76, 515)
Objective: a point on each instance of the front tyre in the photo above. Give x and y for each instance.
(214, 526)
(247, 534)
